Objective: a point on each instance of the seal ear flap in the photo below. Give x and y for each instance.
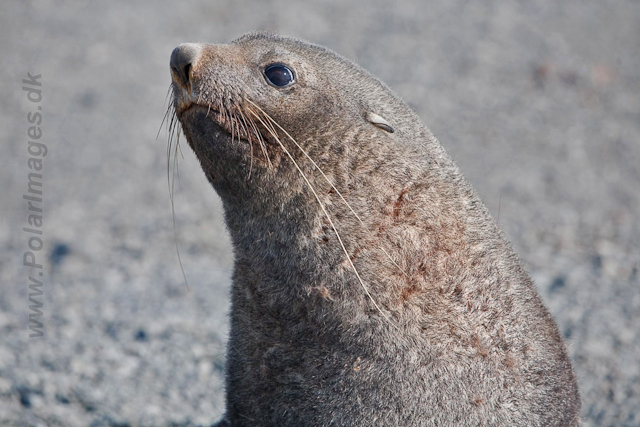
(378, 121)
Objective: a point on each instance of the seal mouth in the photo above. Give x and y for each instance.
(185, 99)
(186, 104)
(192, 106)
(183, 105)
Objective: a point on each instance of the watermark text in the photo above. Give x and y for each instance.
(37, 150)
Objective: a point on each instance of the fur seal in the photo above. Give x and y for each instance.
(371, 286)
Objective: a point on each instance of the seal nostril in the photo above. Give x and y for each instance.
(187, 72)
(182, 59)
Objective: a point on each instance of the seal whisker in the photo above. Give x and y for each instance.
(242, 122)
(308, 157)
(170, 109)
(324, 210)
(227, 116)
(174, 130)
(259, 137)
(173, 209)
(328, 181)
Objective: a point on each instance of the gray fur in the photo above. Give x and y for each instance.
(462, 338)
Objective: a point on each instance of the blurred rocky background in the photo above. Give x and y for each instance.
(537, 101)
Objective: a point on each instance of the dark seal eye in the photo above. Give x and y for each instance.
(279, 75)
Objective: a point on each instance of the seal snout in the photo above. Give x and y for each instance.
(183, 58)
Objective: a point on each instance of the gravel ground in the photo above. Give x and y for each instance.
(538, 102)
